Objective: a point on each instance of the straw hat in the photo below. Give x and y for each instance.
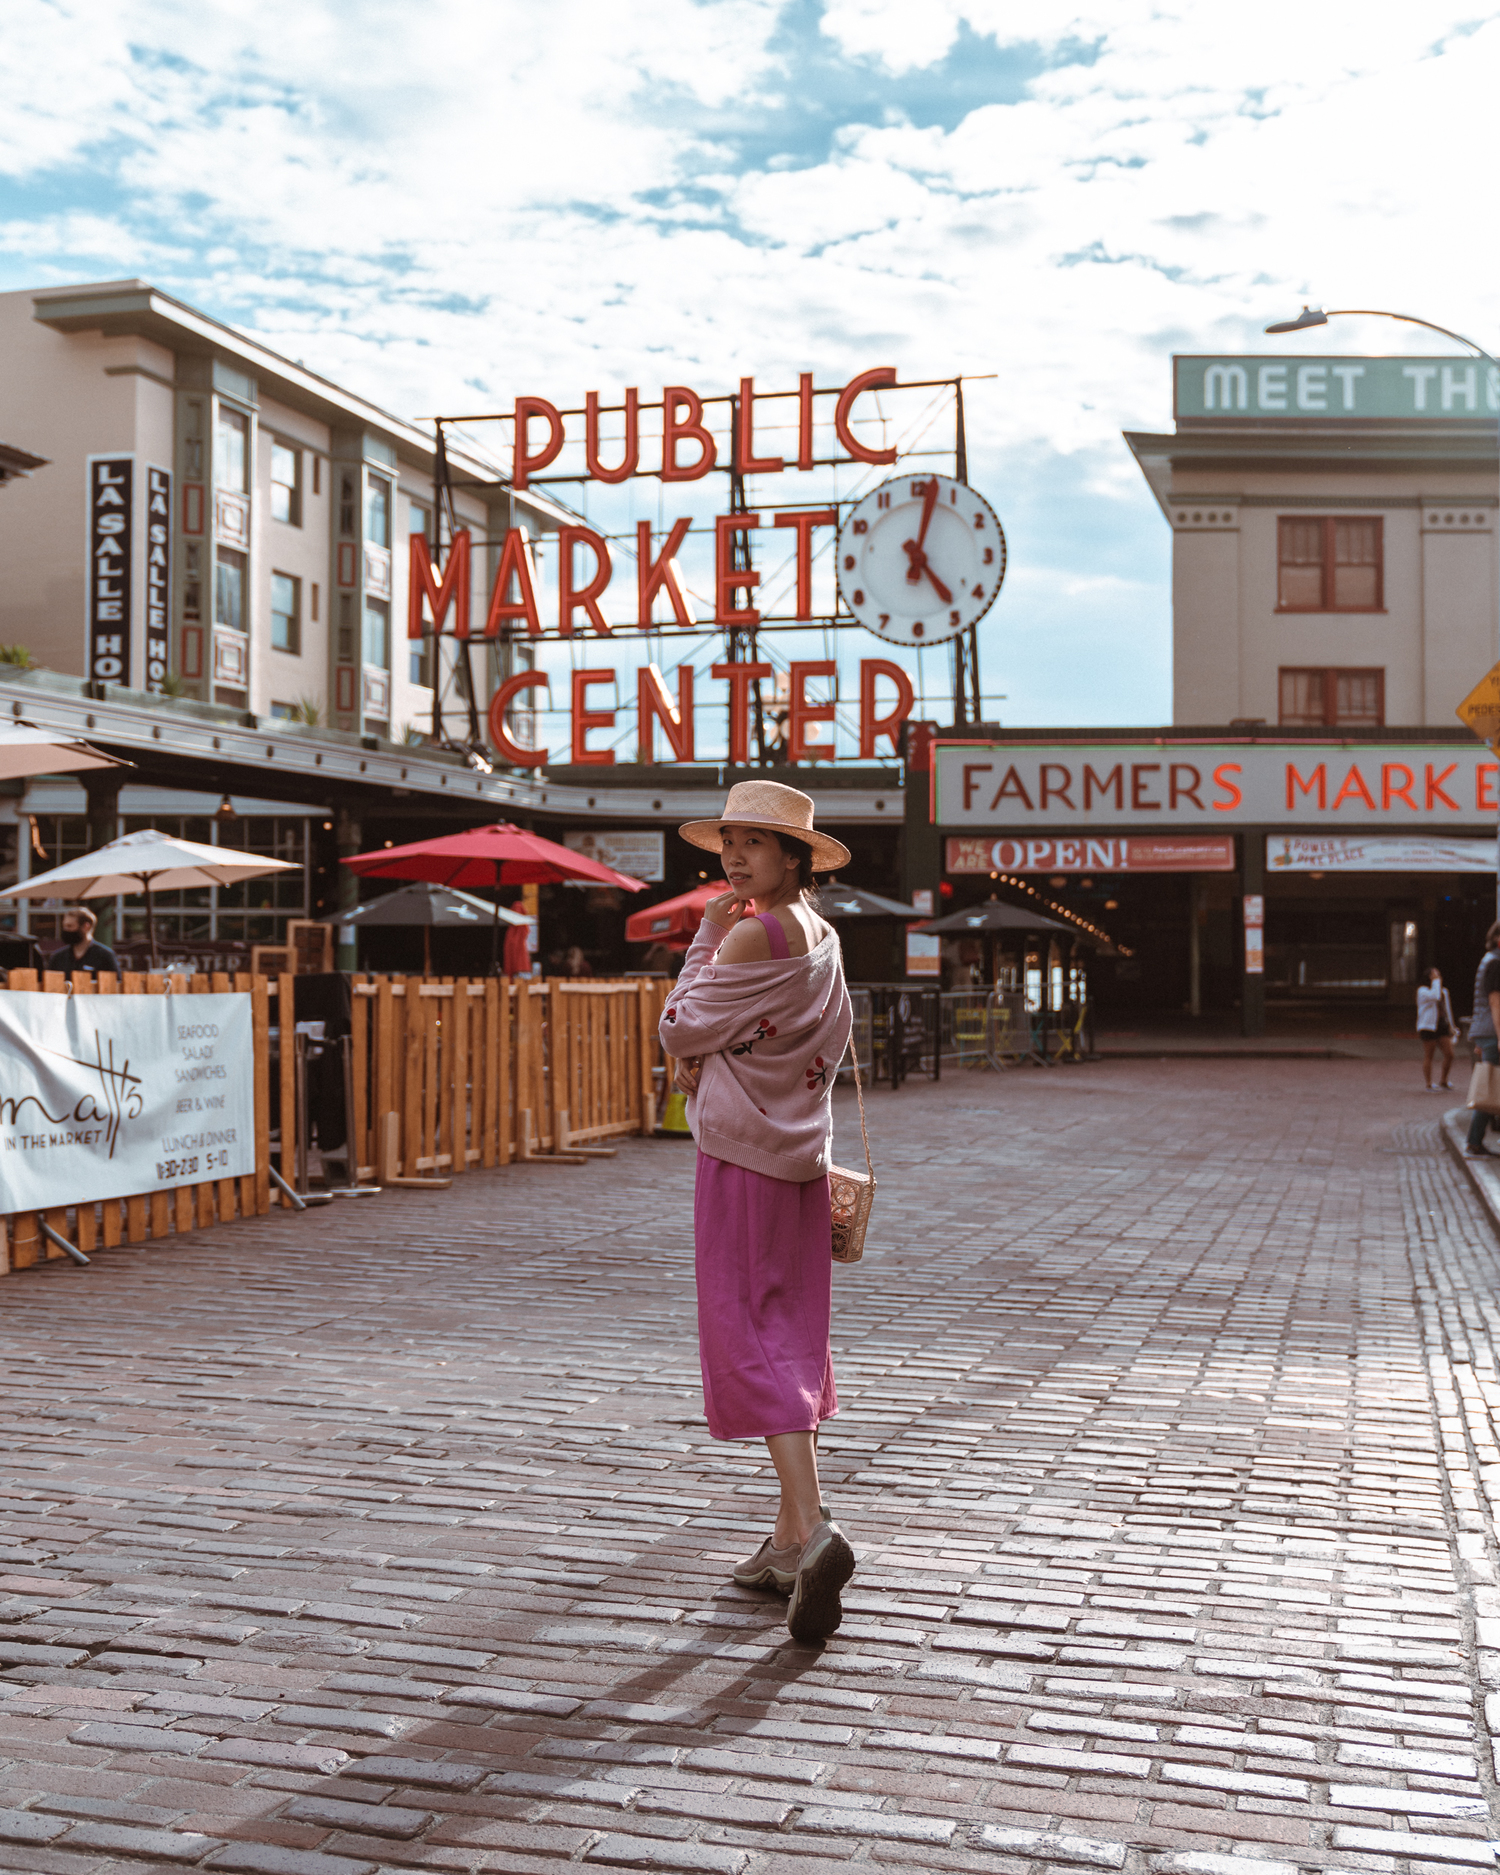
(777, 809)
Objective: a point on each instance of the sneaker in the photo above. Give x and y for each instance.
(769, 1567)
(1478, 1152)
(825, 1565)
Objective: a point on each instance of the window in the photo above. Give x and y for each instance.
(1326, 564)
(286, 484)
(378, 512)
(417, 519)
(421, 666)
(286, 613)
(1332, 699)
(232, 450)
(286, 713)
(229, 589)
(377, 646)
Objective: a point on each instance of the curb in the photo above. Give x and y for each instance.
(1482, 1174)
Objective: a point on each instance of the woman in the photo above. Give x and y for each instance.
(1435, 1025)
(758, 1023)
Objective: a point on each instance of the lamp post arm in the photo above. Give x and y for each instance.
(1376, 312)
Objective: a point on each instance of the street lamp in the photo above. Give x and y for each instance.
(1316, 316)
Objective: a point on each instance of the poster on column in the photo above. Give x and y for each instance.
(106, 1096)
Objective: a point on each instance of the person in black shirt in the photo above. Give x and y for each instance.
(79, 951)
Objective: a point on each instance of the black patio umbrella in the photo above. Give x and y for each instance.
(432, 908)
(838, 902)
(992, 915)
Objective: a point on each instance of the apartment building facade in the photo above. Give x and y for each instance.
(215, 521)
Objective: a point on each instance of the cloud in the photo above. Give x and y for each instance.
(470, 200)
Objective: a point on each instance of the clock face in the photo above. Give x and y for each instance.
(921, 559)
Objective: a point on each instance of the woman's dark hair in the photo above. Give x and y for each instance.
(802, 852)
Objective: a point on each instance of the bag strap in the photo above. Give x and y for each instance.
(864, 1131)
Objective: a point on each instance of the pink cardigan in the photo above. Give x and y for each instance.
(771, 1036)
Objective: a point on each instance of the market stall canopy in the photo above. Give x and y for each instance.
(425, 904)
(498, 855)
(992, 915)
(27, 750)
(675, 921)
(838, 902)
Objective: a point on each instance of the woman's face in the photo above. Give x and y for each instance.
(754, 863)
(1435, 977)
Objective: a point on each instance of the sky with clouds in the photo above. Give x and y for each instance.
(446, 205)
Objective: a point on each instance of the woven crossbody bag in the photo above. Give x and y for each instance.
(852, 1194)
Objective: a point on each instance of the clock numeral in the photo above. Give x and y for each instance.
(979, 520)
(953, 496)
(848, 562)
(883, 501)
(953, 617)
(885, 618)
(859, 597)
(978, 592)
(989, 556)
(861, 527)
(917, 628)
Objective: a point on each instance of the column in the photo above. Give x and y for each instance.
(348, 835)
(1252, 956)
(101, 787)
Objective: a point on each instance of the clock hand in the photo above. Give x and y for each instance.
(942, 591)
(929, 502)
(916, 566)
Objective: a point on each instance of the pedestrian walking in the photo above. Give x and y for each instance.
(1484, 1030)
(1435, 1026)
(758, 1022)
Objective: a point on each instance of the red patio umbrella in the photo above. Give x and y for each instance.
(675, 921)
(493, 856)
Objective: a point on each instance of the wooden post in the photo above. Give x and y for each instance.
(286, 1026)
(361, 1148)
(260, 1027)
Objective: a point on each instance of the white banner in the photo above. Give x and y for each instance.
(107, 1096)
(1338, 853)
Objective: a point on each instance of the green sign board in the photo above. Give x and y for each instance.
(1306, 388)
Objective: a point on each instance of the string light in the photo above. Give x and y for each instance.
(1061, 911)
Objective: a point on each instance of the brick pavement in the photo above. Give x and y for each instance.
(390, 1537)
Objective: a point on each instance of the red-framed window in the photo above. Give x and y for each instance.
(1330, 563)
(1323, 697)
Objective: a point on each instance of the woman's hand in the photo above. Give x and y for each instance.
(725, 910)
(688, 1071)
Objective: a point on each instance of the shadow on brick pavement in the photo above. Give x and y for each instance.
(391, 1537)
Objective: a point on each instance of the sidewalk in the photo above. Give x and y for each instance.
(390, 1537)
(1355, 1034)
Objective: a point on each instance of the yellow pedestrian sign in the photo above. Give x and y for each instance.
(1480, 709)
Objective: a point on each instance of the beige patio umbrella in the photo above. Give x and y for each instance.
(26, 749)
(147, 862)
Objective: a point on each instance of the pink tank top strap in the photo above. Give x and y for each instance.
(775, 936)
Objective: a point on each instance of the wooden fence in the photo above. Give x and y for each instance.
(155, 1213)
(446, 1075)
(454, 1074)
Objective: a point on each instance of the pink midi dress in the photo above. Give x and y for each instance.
(764, 1257)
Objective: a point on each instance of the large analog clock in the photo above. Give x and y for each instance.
(921, 559)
